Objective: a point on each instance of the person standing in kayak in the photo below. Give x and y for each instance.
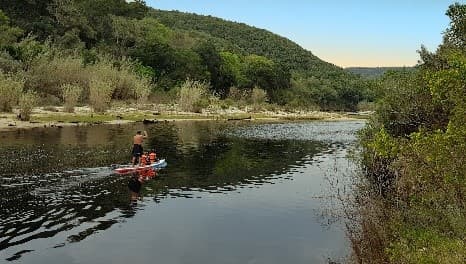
(137, 146)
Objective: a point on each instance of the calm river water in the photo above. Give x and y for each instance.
(233, 192)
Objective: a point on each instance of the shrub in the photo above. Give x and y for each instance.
(225, 104)
(366, 106)
(29, 49)
(301, 104)
(27, 102)
(71, 94)
(237, 94)
(8, 64)
(10, 92)
(193, 96)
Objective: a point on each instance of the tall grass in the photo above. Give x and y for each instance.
(71, 95)
(53, 70)
(50, 71)
(27, 101)
(258, 98)
(100, 94)
(121, 76)
(193, 96)
(141, 90)
(10, 91)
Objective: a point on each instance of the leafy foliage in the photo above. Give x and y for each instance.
(414, 154)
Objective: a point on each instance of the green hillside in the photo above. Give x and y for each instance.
(314, 82)
(46, 40)
(248, 40)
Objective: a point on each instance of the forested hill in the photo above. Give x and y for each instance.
(165, 49)
(248, 40)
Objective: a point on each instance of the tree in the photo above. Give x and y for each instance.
(266, 74)
(9, 34)
(212, 60)
(456, 33)
(72, 25)
(230, 70)
(32, 16)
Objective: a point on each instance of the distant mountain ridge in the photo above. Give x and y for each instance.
(374, 72)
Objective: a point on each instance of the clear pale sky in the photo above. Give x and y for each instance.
(346, 33)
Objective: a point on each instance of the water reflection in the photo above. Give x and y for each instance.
(58, 182)
(137, 180)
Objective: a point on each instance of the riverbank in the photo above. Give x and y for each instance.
(56, 117)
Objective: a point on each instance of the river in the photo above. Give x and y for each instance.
(233, 192)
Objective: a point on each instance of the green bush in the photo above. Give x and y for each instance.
(53, 69)
(8, 64)
(10, 92)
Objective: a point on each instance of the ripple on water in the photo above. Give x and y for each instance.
(324, 131)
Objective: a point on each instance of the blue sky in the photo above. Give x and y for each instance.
(346, 33)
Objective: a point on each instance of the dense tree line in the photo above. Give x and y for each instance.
(170, 47)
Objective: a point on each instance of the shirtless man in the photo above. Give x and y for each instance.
(137, 146)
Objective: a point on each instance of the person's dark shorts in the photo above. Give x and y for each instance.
(137, 150)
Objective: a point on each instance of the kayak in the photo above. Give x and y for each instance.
(127, 169)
